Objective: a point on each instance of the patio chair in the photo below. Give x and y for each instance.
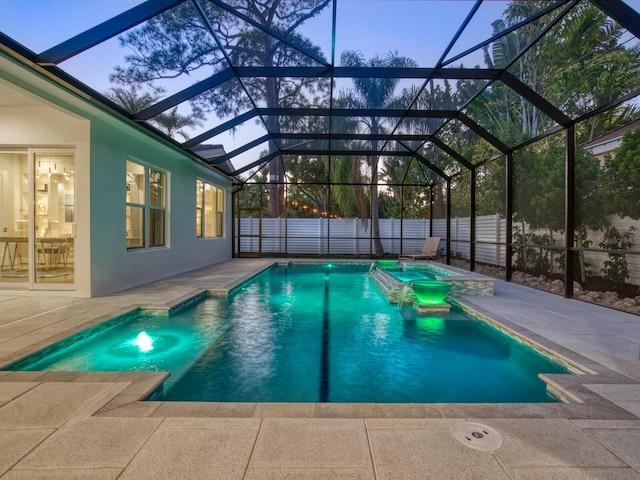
(429, 250)
(52, 250)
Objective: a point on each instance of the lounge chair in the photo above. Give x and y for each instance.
(429, 250)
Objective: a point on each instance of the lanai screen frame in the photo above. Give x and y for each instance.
(47, 63)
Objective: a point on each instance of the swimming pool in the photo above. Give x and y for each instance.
(310, 333)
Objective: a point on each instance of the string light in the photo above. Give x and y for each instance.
(323, 213)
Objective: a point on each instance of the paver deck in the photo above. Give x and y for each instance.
(68, 425)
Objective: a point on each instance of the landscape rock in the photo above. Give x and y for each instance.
(542, 282)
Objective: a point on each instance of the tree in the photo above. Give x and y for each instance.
(592, 208)
(171, 123)
(370, 93)
(529, 68)
(348, 187)
(577, 65)
(178, 43)
(589, 60)
(435, 97)
(538, 183)
(308, 188)
(408, 184)
(622, 179)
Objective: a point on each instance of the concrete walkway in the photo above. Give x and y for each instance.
(68, 425)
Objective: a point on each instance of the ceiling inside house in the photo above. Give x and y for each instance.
(241, 83)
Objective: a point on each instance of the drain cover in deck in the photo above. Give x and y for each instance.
(477, 436)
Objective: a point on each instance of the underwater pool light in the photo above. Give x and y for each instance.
(144, 345)
(431, 324)
(144, 342)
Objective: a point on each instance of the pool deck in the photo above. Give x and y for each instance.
(67, 425)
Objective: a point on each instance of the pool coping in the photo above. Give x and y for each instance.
(137, 386)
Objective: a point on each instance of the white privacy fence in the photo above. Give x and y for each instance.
(321, 236)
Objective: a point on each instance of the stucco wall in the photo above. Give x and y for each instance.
(114, 267)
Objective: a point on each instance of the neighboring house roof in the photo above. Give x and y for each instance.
(610, 141)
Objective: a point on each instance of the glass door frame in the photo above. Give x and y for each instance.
(33, 284)
(12, 250)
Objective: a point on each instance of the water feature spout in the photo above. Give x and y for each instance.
(403, 295)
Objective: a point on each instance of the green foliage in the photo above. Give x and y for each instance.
(591, 203)
(491, 188)
(616, 268)
(525, 256)
(253, 198)
(539, 172)
(308, 200)
(540, 261)
(349, 191)
(408, 188)
(461, 195)
(580, 266)
(623, 176)
(134, 99)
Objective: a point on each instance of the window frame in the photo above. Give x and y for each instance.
(148, 206)
(209, 215)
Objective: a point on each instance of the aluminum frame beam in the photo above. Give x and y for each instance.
(105, 30)
(621, 13)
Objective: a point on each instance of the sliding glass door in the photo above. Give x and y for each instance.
(53, 207)
(14, 217)
(37, 201)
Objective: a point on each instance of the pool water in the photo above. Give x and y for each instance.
(410, 274)
(309, 333)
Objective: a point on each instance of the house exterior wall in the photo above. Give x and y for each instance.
(113, 265)
(600, 150)
(103, 143)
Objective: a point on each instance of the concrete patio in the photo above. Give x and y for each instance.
(68, 425)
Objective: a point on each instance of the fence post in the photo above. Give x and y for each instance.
(355, 235)
(497, 246)
(508, 254)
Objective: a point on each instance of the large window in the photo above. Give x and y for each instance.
(209, 210)
(146, 206)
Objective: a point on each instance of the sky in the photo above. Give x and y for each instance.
(419, 29)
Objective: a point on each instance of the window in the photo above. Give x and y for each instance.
(209, 210)
(146, 206)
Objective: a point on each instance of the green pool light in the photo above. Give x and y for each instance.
(430, 292)
(386, 263)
